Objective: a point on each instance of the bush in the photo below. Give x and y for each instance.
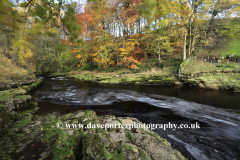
(115, 68)
(67, 61)
(49, 63)
(90, 66)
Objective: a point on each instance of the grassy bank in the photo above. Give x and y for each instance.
(196, 68)
(12, 73)
(197, 73)
(214, 76)
(122, 77)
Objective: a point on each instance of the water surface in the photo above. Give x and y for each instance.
(218, 113)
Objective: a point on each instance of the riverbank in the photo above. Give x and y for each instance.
(157, 77)
(25, 135)
(213, 78)
(42, 139)
(14, 102)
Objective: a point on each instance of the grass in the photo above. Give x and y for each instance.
(19, 92)
(224, 81)
(120, 77)
(10, 73)
(232, 48)
(194, 67)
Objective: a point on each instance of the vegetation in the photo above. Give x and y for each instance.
(50, 36)
(196, 68)
(10, 73)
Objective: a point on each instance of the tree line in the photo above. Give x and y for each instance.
(47, 35)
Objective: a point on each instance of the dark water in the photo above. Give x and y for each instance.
(218, 113)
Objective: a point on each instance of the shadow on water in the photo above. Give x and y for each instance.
(216, 112)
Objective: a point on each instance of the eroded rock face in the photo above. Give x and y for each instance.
(15, 85)
(41, 139)
(130, 143)
(18, 104)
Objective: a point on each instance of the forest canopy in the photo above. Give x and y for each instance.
(48, 35)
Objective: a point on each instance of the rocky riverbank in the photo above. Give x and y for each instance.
(42, 139)
(25, 135)
(16, 100)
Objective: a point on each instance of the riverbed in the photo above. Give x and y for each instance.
(216, 112)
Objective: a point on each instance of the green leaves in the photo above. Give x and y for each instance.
(41, 12)
(23, 5)
(69, 21)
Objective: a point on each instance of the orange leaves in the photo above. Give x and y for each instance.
(128, 53)
(130, 62)
(75, 51)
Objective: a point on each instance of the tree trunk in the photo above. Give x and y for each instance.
(184, 47)
(82, 55)
(190, 39)
(193, 43)
(159, 54)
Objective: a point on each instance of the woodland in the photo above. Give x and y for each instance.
(138, 42)
(48, 36)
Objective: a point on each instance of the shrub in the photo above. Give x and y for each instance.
(48, 63)
(67, 61)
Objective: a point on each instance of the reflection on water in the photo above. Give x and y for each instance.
(218, 138)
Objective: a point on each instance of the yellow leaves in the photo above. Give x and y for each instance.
(130, 46)
(24, 52)
(123, 51)
(81, 58)
(104, 55)
(78, 56)
(76, 50)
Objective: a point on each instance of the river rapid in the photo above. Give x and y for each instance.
(218, 113)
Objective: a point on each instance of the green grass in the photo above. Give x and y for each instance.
(194, 67)
(224, 81)
(16, 93)
(232, 48)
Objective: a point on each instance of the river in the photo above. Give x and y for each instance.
(216, 112)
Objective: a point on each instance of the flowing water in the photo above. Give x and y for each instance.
(218, 113)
